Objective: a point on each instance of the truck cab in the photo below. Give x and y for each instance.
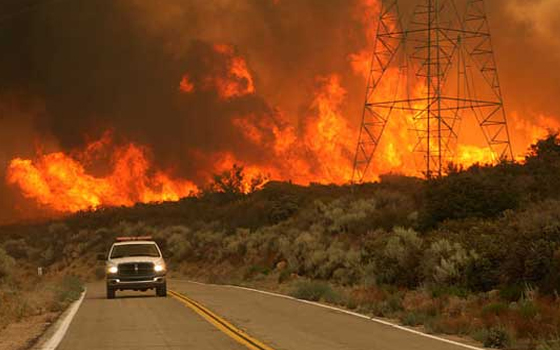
(135, 263)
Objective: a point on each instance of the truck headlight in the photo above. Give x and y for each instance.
(159, 267)
(113, 269)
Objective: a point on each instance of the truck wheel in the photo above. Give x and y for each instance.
(110, 293)
(161, 291)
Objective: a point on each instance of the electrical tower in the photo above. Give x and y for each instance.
(436, 72)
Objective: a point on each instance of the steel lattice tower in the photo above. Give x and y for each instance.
(439, 70)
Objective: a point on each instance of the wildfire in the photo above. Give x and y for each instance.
(186, 85)
(63, 183)
(237, 81)
(318, 147)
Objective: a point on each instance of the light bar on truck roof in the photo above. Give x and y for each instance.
(138, 238)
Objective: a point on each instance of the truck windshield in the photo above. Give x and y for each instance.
(125, 250)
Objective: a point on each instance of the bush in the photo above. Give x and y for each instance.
(177, 243)
(17, 248)
(7, 264)
(494, 309)
(549, 345)
(413, 319)
(528, 310)
(445, 263)
(399, 261)
(512, 293)
(315, 291)
(69, 290)
(476, 193)
(497, 338)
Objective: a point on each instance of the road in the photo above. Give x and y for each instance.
(140, 321)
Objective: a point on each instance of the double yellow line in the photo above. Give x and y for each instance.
(218, 322)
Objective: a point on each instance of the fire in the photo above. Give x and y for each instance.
(237, 81)
(315, 147)
(62, 182)
(186, 85)
(328, 136)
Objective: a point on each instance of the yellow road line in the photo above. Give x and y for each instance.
(220, 323)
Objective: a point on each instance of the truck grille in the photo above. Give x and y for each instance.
(136, 270)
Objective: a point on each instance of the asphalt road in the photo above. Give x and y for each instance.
(140, 321)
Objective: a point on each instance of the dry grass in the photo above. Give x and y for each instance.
(27, 295)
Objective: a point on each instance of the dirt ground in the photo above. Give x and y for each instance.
(22, 335)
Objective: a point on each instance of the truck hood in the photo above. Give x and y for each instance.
(136, 259)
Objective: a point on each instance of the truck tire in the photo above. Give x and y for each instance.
(110, 293)
(162, 291)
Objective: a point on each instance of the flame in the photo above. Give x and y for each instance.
(186, 85)
(62, 182)
(237, 81)
(318, 148)
(328, 136)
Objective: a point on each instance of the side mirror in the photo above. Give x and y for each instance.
(101, 257)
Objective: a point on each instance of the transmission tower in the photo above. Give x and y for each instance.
(435, 73)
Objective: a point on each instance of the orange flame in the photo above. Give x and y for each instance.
(186, 85)
(62, 183)
(238, 81)
(319, 149)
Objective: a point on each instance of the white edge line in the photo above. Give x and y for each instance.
(377, 320)
(60, 332)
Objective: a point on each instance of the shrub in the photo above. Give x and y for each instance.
(477, 192)
(177, 242)
(341, 214)
(17, 248)
(255, 270)
(315, 291)
(494, 309)
(70, 289)
(512, 293)
(549, 345)
(7, 264)
(413, 319)
(480, 335)
(445, 263)
(398, 263)
(497, 338)
(284, 275)
(528, 310)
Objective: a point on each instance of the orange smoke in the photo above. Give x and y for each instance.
(63, 183)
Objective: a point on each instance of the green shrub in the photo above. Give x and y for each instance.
(17, 248)
(445, 263)
(255, 270)
(399, 259)
(438, 291)
(528, 310)
(495, 309)
(284, 276)
(177, 243)
(315, 291)
(512, 293)
(413, 319)
(497, 338)
(480, 335)
(70, 289)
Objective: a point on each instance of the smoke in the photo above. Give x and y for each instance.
(70, 70)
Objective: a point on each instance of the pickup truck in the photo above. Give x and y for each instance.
(135, 263)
